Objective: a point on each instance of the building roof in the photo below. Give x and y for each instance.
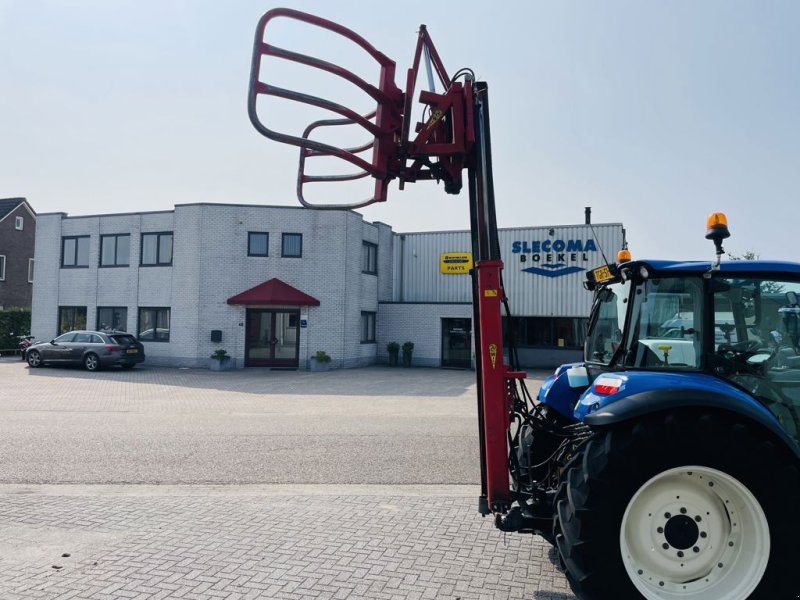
(7, 205)
(274, 291)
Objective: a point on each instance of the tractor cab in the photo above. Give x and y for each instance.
(736, 322)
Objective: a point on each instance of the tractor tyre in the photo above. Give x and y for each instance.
(681, 506)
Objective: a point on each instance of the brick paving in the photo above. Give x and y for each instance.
(198, 543)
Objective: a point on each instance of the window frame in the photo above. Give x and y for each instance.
(155, 322)
(283, 245)
(64, 239)
(158, 262)
(250, 235)
(112, 308)
(31, 269)
(370, 325)
(371, 250)
(2, 267)
(75, 309)
(19, 223)
(116, 250)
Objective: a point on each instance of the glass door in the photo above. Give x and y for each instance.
(457, 343)
(272, 338)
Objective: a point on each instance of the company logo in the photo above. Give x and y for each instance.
(555, 257)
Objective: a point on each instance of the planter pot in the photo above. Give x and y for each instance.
(406, 359)
(393, 359)
(225, 364)
(319, 367)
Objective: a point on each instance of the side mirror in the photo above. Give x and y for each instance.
(53, 342)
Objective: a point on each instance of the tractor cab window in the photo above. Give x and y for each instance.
(757, 342)
(666, 324)
(607, 323)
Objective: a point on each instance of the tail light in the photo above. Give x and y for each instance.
(110, 348)
(605, 386)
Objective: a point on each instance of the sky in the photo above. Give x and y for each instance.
(655, 114)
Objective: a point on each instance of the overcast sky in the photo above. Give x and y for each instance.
(653, 113)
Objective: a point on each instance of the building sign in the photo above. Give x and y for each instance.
(455, 263)
(554, 257)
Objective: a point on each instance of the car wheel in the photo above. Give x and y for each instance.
(91, 362)
(34, 359)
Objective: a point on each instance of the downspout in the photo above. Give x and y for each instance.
(401, 282)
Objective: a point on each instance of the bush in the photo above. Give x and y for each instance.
(220, 355)
(14, 322)
(322, 357)
(393, 347)
(408, 347)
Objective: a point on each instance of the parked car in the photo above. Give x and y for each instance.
(92, 349)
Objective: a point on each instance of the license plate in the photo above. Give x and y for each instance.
(602, 274)
(133, 351)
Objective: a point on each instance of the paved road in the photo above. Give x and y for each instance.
(113, 469)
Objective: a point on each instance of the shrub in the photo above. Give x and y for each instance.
(408, 347)
(220, 355)
(393, 347)
(322, 357)
(14, 322)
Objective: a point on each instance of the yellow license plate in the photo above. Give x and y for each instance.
(602, 274)
(133, 351)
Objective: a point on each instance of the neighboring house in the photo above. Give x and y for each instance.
(17, 237)
(272, 285)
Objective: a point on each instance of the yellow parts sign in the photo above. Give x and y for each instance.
(493, 354)
(455, 263)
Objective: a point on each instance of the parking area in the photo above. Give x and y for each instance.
(161, 483)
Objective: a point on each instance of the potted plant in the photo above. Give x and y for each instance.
(321, 361)
(408, 350)
(394, 350)
(220, 361)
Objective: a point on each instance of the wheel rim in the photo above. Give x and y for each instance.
(694, 532)
(33, 359)
(91, 362)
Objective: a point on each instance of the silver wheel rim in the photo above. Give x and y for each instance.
(91, 362)
(694, 532)
(33, 359)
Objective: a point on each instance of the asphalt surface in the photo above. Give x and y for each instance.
(161, 483)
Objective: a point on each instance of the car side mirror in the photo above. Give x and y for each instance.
(53, 342)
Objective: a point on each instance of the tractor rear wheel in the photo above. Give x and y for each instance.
(680, 506)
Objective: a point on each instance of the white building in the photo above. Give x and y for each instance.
(273, 285)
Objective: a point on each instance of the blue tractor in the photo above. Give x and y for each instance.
(667, 465)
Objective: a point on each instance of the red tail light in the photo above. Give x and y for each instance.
(110, 348)
(605, 386)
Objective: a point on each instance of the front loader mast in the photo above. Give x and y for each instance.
(454, 136)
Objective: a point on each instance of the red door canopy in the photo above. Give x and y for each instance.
(274, 292)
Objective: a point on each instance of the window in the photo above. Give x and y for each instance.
(19, 223)
(157, 249)
(112, 318)
(2, 268)
(115, 250)
(367, 327)
(71, 318)
(30, 270)
(153, 325)
(369, 255)
(75, 251)
(257, 243)
(292, 245)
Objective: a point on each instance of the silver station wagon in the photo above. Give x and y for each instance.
(92, 349)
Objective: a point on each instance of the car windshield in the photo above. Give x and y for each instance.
(124, 339)
(607, 323)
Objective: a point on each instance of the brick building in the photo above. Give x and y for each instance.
(273, 285)
(17, 237)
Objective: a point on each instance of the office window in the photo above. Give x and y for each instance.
(71, 318)
(153, 324)
(19, 223)
(115, 250)
(292, 245)
(157, 249)
(257, 243)
(30, 270)
(75, 251)
(2, 268)
(369, 263)
(112, 318)
(367, 327)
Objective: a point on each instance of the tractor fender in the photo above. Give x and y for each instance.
(643, 403)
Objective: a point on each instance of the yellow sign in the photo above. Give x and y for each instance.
(602, 274)
(490, 293)
(455, 263)
(493, 353)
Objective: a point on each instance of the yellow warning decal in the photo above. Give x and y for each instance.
(490, 293)
(493, 354)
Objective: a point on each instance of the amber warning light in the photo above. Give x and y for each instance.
(623, 256)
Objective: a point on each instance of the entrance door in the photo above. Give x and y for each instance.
(457, 343)
(272, 338)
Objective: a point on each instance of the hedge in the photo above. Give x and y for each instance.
(14, 322)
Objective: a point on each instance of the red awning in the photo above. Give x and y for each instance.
(274, 291)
